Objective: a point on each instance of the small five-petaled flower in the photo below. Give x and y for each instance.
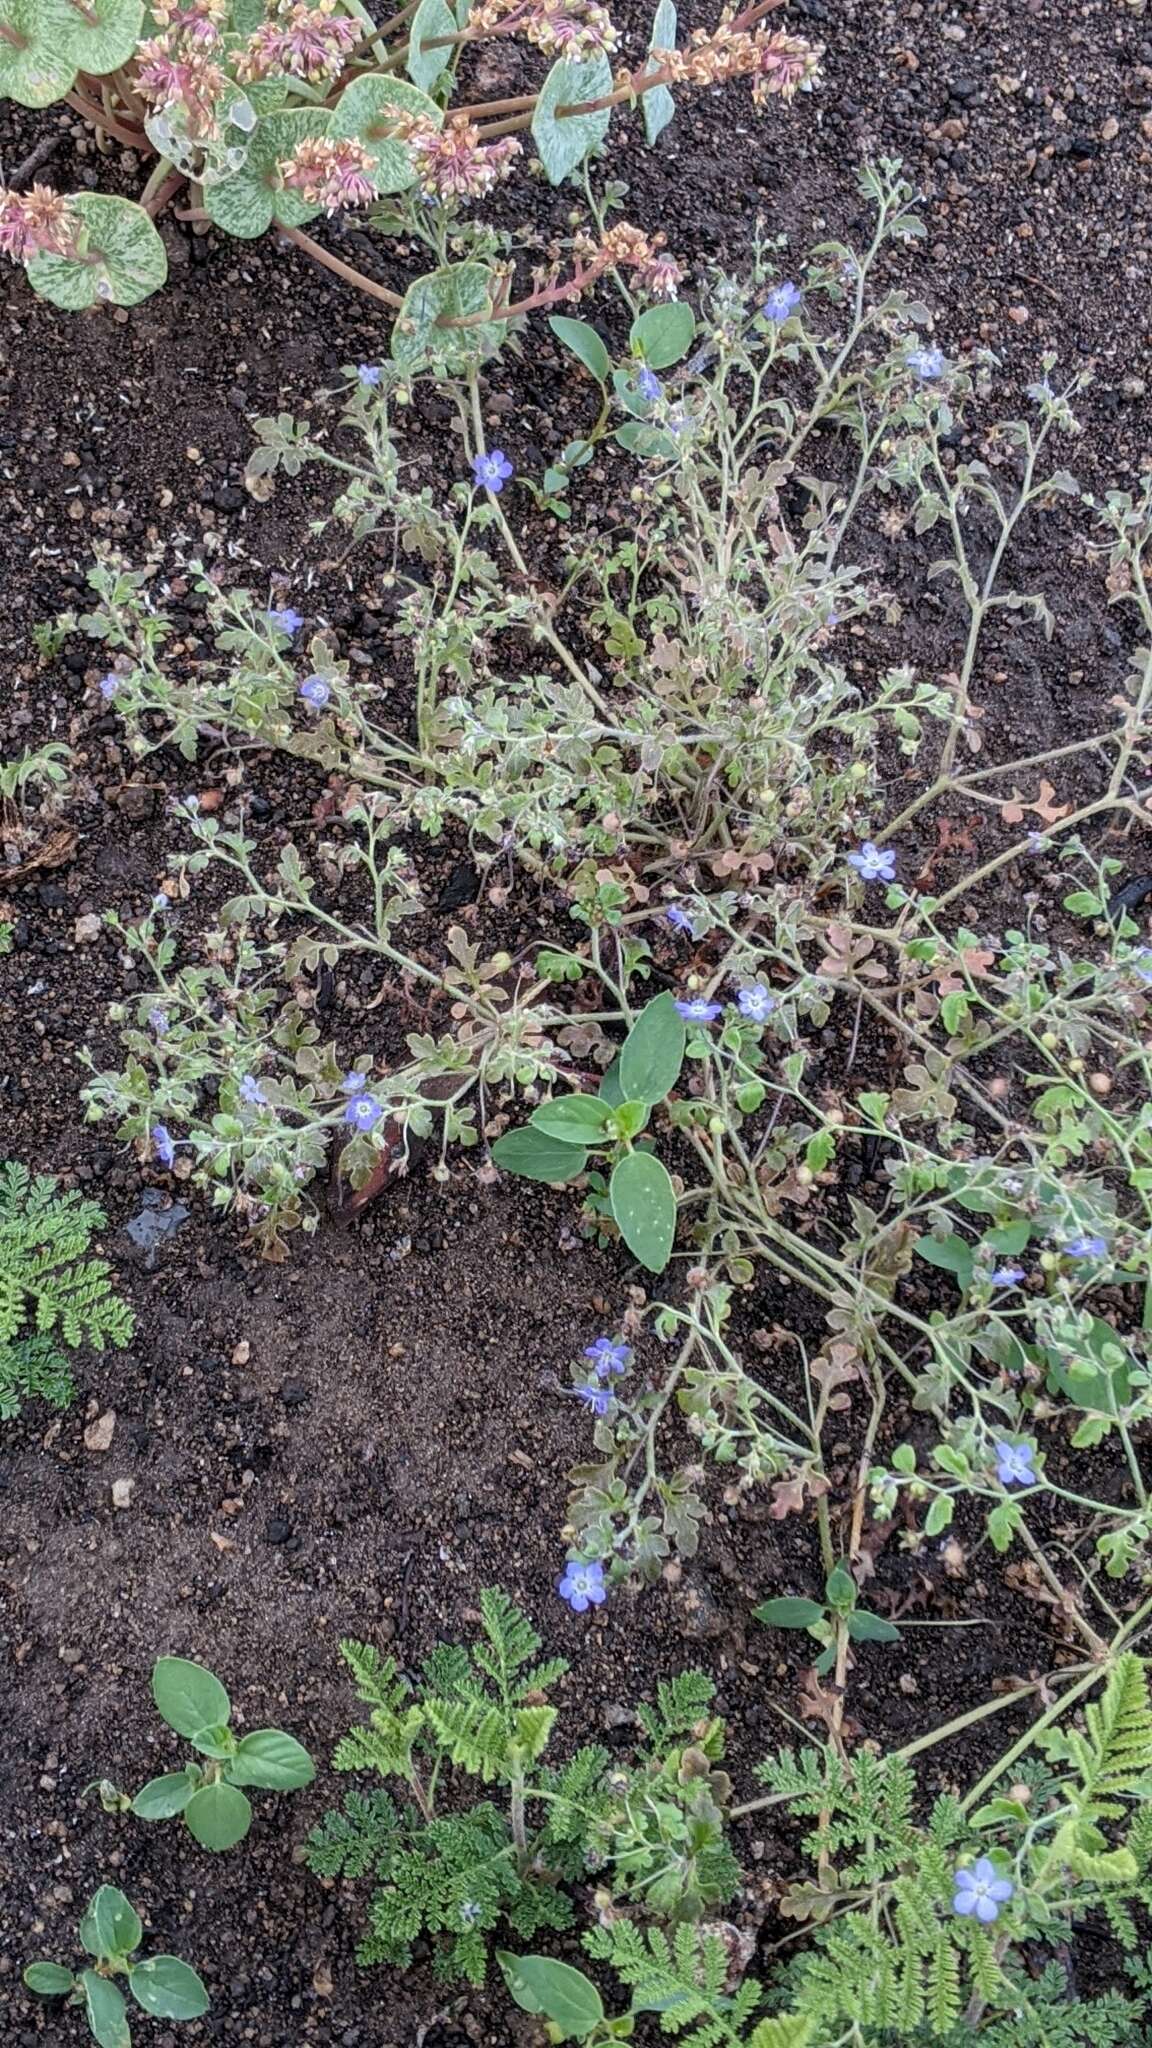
(582, 1585)
(1015, 1464)
(491, 472)
(286, 620)
(1007, 1276)
(782, 302)
(678, 918)
(595, 1397)
(1086, 1247)
(874, 863)
(698, 1010)
(608, 1356)
(163, 1144)
(363, 1112)
(756, 1003)
(109, 685)
(369, 373)
(251, 1091)
(648, 384)
(980, 1892)
(315, 692)
(926, 363)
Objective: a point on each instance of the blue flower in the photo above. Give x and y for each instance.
(699, 1010)
(598, 1399)
(285, 620)
(608, 1355)
(1015, 1464)
(1141, 966)
(251, 1091)
(1006, 1276)
(368, 373)
(756, 1003)
(353, 1082)
(163, 1144)
(158, 1019)
(582, 1585)
(782, 302)
(315, 692)
(363, 1112)
(469, 1910)
(678, 918)
(1086, 1247)
(491, 472)
(979, 1892)
(926, 363)
(648, 384)
(874, 863)
(109, 685)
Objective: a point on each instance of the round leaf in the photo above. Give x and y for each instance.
(564, 142)
(168, 1989)
(584, 343)
(111, 1925)
(161, 1798)
(190, 1698)
(107, 2012)
(789, 1613)
(538, 1157)
(457, 292)
(36, 65)
(124, 260)
(433, 19)
(104, 33)
(270, 1758)
(653, 1052)
(663, 334)
(248, 203)
(367, 111)
(48, 1980)
(218, 1816)
(574, 1119)
(643, 1202)
(554, 1990)
(659, 105)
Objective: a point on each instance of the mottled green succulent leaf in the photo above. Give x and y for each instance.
(121, 259)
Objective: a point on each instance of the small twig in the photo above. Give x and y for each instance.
(34, 161)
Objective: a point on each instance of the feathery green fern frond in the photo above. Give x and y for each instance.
(1114, 1754)
(356, 1840)
(48, 1285)
(33, 1370)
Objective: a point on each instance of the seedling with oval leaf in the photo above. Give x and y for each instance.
(561, 1134)
(216, 1810)
(830, 1620)
(111, 1932)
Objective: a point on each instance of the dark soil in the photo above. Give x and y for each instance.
(355, 1442)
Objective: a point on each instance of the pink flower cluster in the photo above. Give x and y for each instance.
(562, 28)
(330, 174)
(36, 223)
(452, 162)
(301, 42)
(178, 67)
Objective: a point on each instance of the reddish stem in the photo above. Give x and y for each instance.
(330, 262)
(131, 138)
(164, 193)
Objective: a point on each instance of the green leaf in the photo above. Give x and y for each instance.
(107, 2012)
(122, 260)
(1002, 1524)
(161, 1798)
(871, 1628)
(952, 1254)
(368, 110)
(457, 292)
(538, 1157)
(218, 1816)
(48, 1980)
(562, 143)
(111, 1925)
(168, 1989)
(610, 1090)
(273, 1759)
(584, 343)
(787, 2030)
(190, 1698)
(788, 1613)
(653, 1052)
(574, 1119)
(36, 65)
(643, 1202)
(553, 1991)
(247, 203)
(105, 33)
(663, 334)
(1009, 1238)
(840, 1591)
(433, 18)
(939, 1515)
(659, 105)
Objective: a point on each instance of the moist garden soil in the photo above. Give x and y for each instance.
(356, 1441)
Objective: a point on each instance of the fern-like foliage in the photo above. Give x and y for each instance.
(683, 1977)
(1112, 1755)
(49, 1287)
